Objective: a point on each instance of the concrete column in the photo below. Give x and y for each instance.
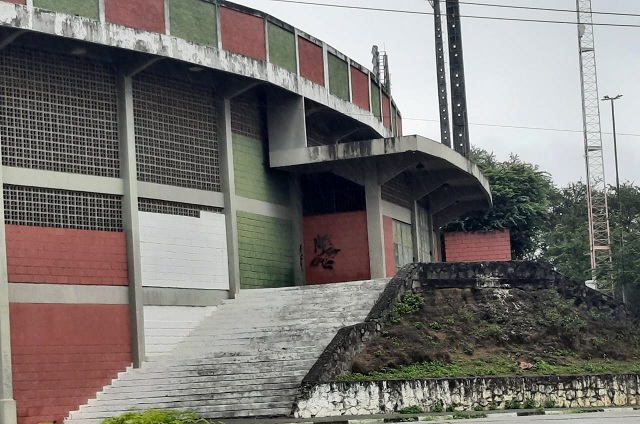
(7, 404)
(129, 174)
(299, 275)
(375, 230)
(416, 233)
(227, 177)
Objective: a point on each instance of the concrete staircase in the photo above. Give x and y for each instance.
(246, 360)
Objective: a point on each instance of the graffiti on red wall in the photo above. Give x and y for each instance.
(325, 252)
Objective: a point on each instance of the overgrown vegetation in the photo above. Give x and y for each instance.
(155, 416)
(488, 332)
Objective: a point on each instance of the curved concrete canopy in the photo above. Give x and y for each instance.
(452, 185)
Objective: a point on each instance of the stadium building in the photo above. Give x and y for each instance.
(159, 156)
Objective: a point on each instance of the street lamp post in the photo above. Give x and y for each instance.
(615, 154)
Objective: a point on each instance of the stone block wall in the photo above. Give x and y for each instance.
(464, 394)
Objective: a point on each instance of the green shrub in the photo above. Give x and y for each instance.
(549, 403)
(529, 404)
(435, 325)
(413, 409)
(409, 303)
(438, 408)
(512, 404)
(155, 416)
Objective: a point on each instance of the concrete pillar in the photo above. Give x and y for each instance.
(129, 174)
(415, 231)
(375, 230)
(299, 275)
(227, 177)
(7, 404)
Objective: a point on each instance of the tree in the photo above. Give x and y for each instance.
(565, 241)
(520, 194)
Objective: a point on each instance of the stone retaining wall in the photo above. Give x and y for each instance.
(379, 397)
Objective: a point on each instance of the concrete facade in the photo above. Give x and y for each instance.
(155, 164)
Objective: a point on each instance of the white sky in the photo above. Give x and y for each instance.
(517, 74)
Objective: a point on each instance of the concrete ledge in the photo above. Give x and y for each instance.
(165, 296)
(68, 293)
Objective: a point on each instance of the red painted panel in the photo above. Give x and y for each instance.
(336, 247)
(64, 256)
(311, 61)
(242, 33)
(389, 251)
(47, 385)
(360, 88)
(141, 14)
(386, 111)
(16, 1)
(399, 125)
(476, 247)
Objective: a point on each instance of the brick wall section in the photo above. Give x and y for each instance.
(254, 179)
(359, 88)
(389, 251)
(194, 20)
(243, 34)
(311, 62)
(265, 251)
(16, 1)
(475, 247)
(141, 14)
(63, 355)
(86, 8)
(399, 123)
(344, 231)
(65, 256)
(184, 252)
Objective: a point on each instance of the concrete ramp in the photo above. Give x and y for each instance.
(245, 360)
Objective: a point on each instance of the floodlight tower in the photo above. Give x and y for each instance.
(458, 136)
(599, 232)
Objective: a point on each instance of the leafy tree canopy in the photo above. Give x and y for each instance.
(520, 194)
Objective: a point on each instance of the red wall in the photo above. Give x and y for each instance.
(242, 33)
(386, 111)
(389, 251)
(16, 1)
(311, 62)
(141, 14)
(399, 125)
(360, 88)
(64, 354)
(477, 247)
(63, 256)
(346, 232)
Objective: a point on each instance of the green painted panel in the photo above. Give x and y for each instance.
(265, 251)
(375, 100)
(282, 47)
(338, 77)
(86, 8)
(253, 177)
(194, 20)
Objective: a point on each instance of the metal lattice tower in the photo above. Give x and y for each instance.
(599, 233)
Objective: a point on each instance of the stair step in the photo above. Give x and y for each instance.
(246, 359)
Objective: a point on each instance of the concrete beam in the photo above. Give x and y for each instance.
(286, 121)
(130, 222)
(375, 230)
(169, 296)
(458, 210)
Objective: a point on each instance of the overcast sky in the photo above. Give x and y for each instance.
(517, 74)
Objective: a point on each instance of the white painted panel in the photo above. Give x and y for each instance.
(184, 252)
(166, 326)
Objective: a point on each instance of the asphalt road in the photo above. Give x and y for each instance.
(611, 417)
